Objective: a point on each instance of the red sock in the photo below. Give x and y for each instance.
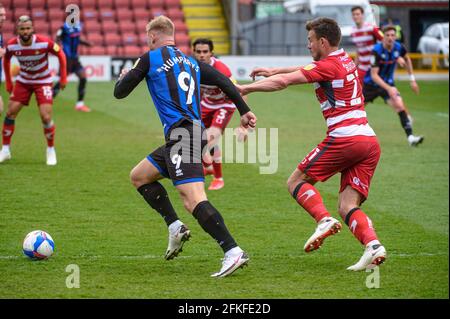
(217, 162)
(50, 135)
(309, 198)
(361, 226)
(8, 131)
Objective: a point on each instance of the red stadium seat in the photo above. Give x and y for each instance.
(142, 15)
(130, 39)
(104, 5)
(182, 39)
(132, 51)
(158, 12)
(122, 4)
(37, 4)
(55, 4)
(173, 3)
(42, 27)
(139, 4)
(97, 50)
(126, 27)
(142, 38)
(54, 27)
(88, 4)
(175, 14)
(180, 26)
(112, 39)
(125, 16)
(107, 15)
(155, 3)
(89, 14)
(83, 50)
(96, 39)
(39, 15)
(21, 4)
(111, 50)
(20, 12)
(8, 36)
(67, 2)
(92, 26)
(141, 25)
(9, 28)
(7, 4)
(110, 27)
(56, 15)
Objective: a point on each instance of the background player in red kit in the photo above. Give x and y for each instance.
(364, 36)
(217, 111)
(31, 50)
(350, 147)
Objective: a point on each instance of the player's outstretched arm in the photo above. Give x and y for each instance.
(266, 72)
(274, 83)
(130, 79)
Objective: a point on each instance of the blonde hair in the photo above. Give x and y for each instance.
(161, 24)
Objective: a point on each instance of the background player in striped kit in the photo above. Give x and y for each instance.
(173, 80)
(31, 50)
(2, 50)
(350, 147)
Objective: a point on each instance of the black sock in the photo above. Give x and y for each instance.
(406, 123)
(81, 89)
(56, 89)
(212, 222)
(156, 196)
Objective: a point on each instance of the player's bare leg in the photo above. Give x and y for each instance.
(399, 107)
(301, 187)
(195, 201)
(1, 105)
(14, 108)
(80, 106)
(214, 134)
(144, 177)
(362, 228)
(45, 111)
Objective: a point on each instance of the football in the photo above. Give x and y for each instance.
(38, 245)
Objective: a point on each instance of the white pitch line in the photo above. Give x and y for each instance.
(442, 114)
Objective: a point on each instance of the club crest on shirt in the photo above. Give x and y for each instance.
(55, 47)
(309, 67)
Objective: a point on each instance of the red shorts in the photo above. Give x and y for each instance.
(217, 117)
(356, 158)
(22, 93)
(361, 75)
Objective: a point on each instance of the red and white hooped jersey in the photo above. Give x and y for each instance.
(365, 38)
(212, 96)
(339, 92)
(33, 59)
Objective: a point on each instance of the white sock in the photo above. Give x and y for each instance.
(174, 226)
(373, 242)
(50, 148)
(234, 251)
(5, 148)
(80, 103)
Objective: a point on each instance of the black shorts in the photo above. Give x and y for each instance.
(74, 66)
(371, 92)
(180, 159)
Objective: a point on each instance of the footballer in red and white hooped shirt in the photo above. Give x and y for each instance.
(364, 35)
(350, 147)
(217, 111)
(31, 50)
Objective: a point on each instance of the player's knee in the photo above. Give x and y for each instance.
(344, 208)
(135, 178)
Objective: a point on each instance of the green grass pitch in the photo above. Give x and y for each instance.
(100, 223)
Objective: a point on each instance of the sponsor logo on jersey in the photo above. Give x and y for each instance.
(309, 67)
(56, 47)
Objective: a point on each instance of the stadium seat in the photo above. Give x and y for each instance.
(180, 26)
(122, 4)
(96, 39)
(105, 5)
(172, 3)
(132, 51)
(139, 4)
(158, 12)
(56, 15)
(111, 50)
(54, 26)
(110, 27)
(141, 15)
(140, 25)
(97, 50)
(67, 2)
(89, 14)
(107, 15)
(7, 4)
(88, 4)
(54, 4)
(92, 26)
(8, 28)
(182, 39)
(39, 15)
(83, 50)
(142, 38)
(126, 27)
(42, 27)
(20, 12)
(8, 36)
(124, 16)
(175, 14)
(21, 4)
(36, 4)
(112, 39)
(155, 3)
(130, 39)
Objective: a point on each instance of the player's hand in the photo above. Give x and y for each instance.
(123, 73)
(62, 85)
(248, 120)
(9, 88)
(393, 92)
(241, 134)
(414, 87)
(266, 72)
(2, 52)
(401, 62)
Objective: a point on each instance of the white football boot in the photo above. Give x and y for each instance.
(415, 140)
(5, 155)
(51, 156)
(327, 226)
(177, 238)
(234, 259)
(374, 255)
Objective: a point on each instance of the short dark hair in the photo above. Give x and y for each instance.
(204, 41)
(358, 8)
(325, 28)
(389, 27)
